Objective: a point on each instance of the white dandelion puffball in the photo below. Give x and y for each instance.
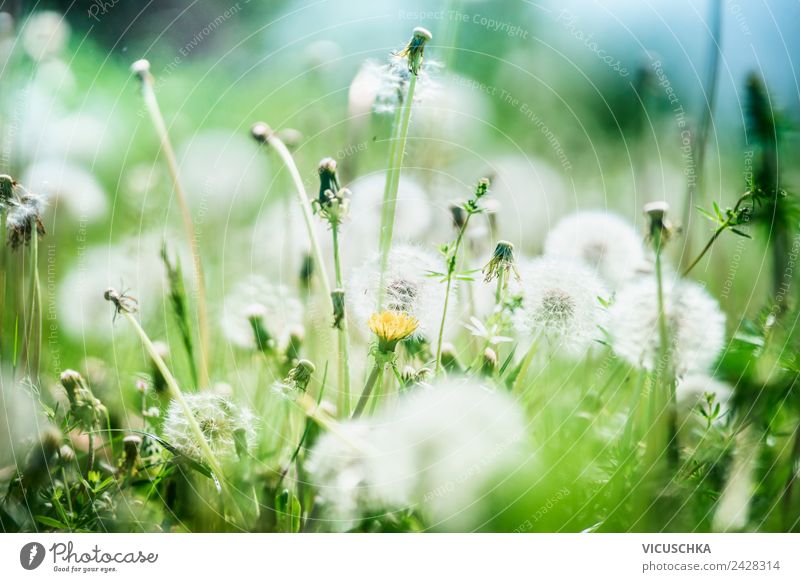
(222, 170)
(601, 240)
(221, 421)
(45, 34)
(457, 438)
(561, 302)
(361, 229)
(438, 451)
(692, 389)
(694, 320)
(408, 287)
(277, 306)
(340, 467)
(74, 187)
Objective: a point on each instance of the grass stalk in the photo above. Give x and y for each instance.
(151, 104)
(393, 182)
(302, 198)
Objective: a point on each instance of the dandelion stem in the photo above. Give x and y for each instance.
(397, 154)
(344, 343)
(365, 395)
(33, 345)
(188, 224)
(176, 393)
(305, 206)
(452, 261)
(665, 381)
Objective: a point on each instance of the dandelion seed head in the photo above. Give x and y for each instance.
(219, 420)
(694, 319)
(433, 438)
(561, 302)
(408, 288)
(601, 240)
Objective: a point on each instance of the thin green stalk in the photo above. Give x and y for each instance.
(344, 343)
(664, 380)
(373, 377)
(451, 268)
(305, 206)
(33, 344)
(708, 246)
(188, 224)
(499, 292)
(393, 182)
(175, 392)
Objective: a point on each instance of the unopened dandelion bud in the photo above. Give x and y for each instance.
(332, 201)
(459, 216)
(7, 184)
(488, 362)
(307, 268)
(301, 374)
(502, 263)
(261, 132)
(415, 49)
(450, 358)
(263, 339)
(141, 69)
(84, 407)
(660, 229)
(130, 447)
(337, 297)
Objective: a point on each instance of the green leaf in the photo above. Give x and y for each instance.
(50, 522)
(288, 510)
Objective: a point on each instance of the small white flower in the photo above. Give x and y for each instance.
(276, 306)
(479, 330)
(561, 301)
(601, 240)
(221, 421)
(694, 320)
(408, 287)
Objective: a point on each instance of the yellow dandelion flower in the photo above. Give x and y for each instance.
(392, 327)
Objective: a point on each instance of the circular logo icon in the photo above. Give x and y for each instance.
(31, 555)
